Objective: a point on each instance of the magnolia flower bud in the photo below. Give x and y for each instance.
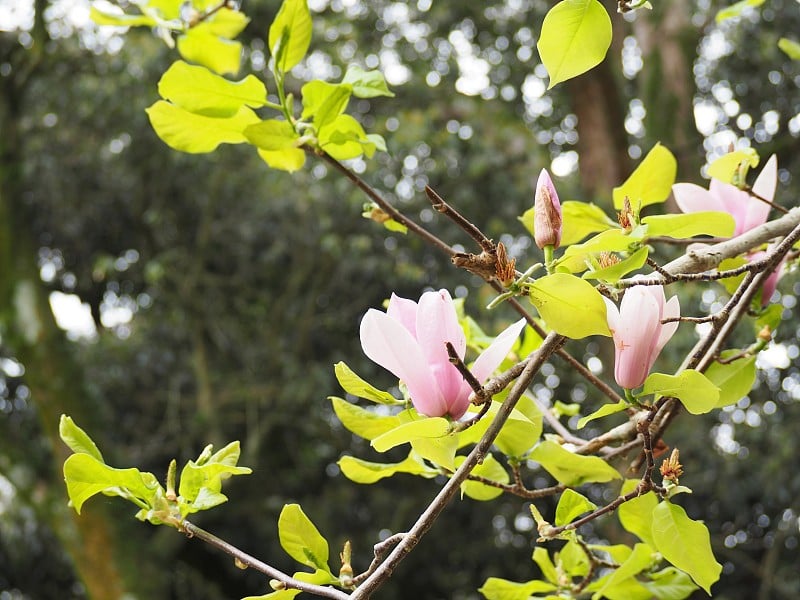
(546, 213)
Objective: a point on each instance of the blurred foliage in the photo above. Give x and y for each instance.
(223, 292)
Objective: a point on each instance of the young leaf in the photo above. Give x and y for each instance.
(77, 439)
(697, 394)
(570, 306)
(489, 469)
(272, 135)
(200, 485)
(636, 515)
(218, 54)
(434, 427)
(520, 433)
(603, 411)
(579, 220)
(225, 22)
(366, 84)
(734, 379)
(576, 35)
(364, 423)
(301, 539)
(440, 451)
(86, 476)
(670, 584)
(639, 560)
(569, 468)
(542, 559)
(353, 384)
(323, 101)
(290, 34)
(573, 560)
(617, 271)
(685, 543)
(120, 20)
(318, 577)
(735, 10)
(790, 48)
(652, 180)
(682, 226)
(195, 134)
(726, 166)
(495, 588)
(198, 90)
(289, 159)
(362, 471)
(571, 505)
(344, 138)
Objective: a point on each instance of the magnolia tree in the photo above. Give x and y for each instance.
(463, 408)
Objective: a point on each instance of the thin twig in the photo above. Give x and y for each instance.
(192, 530)
(443, 207)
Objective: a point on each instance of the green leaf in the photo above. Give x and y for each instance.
(495, 588)
(697, 394)
(636, 515)
(627, 589)
(579, 220)
(120, 20)
(569, 305)
(639, 560)
(685, 543)
(578, 257)
(318, 577)
(323, 101)
(198, 90)
(670, 584)
(576, 35)
(301, 539)
(272, 135)
(520, 433)
(192, 133)
(364, 423)
(728, 165)
(734, 379)
(362, 471)
(433, 427)
(77, 439)
(790, 48)
(571, 505)
(542, 559)
(344, 138)
(290, 159)
(224, 23)
(366, 84)
(572, 469)
(603, 411)
(353, 384)
(201, 481)
(651, 182)
(441, 451)
(290, 34)
(617, 271)
(489, 469)
(682, 226)
(735, 10)
(573, 560)
(218, 54)
(770, 317)
(86, 476)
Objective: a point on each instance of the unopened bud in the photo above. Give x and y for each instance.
(546, 213)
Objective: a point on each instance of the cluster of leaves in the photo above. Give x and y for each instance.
(200, 482)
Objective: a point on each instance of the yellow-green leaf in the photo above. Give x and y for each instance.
(300, 538)
(77, 439)
(685, 543)
(272, 135)
(570, 306)
(636, 515)
(697, 394)
(218, 54)
(323, 101)
(571, 505)
(579, 220)
(364, 423)
(434, 427)
(603, 411)
(289, 159)
(616, 271)
(353, 384)
(569, 468)
(651, 182)
(344, 138)
(735, 10)
(193, 133)
(489, 469)
(640, 559)
(576, 35)
(734, 379)
(366, 84)
(790, 48)
(495, 588)
(682, 226)
(728, 165)
(365, 472)
(198, 90)
(290, 34)
(120, 19)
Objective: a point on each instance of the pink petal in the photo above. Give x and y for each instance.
(635, 337)
(388, 343)
(437, 323)
(612, 315)
(692, 198)
(405, 311)
(671, 310)
(491, 358)
(767, 180)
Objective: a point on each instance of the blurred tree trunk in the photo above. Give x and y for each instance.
(29, 329)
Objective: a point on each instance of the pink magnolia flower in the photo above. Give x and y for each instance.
(546, 213)
(409, 340)
(747, 211)
(638, 332)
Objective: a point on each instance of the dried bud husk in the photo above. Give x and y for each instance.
(505, 267)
